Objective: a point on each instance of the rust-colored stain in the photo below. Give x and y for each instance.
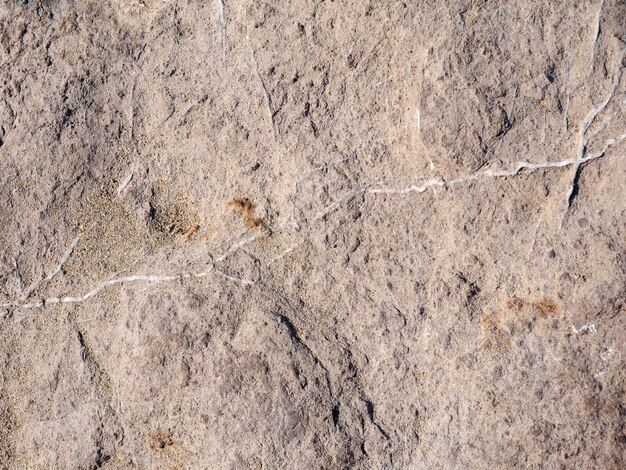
(544, 306)
(168, 451)
(495, 338)
(248, 209)
(159, 440)
(514, 303)
(547, 305)
(188, 234)
(518, 314)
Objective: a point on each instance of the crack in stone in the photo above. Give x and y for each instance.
(372, 188)
(608, 144)
(589, 119)
(324, 167)
(534, 239)
(57, 270)
(266, 95)
(491, 173)
(240, 244)
(284, 253)
(222, 21)
(150, 278)
(18, 273)
(596, 35)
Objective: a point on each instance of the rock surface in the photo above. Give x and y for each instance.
(312, 234)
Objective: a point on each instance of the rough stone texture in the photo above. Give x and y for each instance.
(312, 234)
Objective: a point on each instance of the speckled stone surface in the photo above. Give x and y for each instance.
(312, 234)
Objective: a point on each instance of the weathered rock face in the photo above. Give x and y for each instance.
(312, 234)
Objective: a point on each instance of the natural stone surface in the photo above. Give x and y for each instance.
(312, 234)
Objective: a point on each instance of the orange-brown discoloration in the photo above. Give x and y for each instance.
(495, 337)
(247, 208)
(514, 303)
(544, 306)
(167, 451)
(517, 315)
(547, 305)
(190, 231)
(159, 440)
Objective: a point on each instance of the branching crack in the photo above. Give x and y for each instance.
(579, 159)
(372, 188)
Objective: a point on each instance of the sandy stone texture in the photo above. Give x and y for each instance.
(312, 234)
